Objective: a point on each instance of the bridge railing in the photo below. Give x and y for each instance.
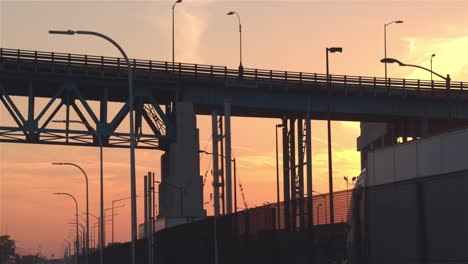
(219, 72)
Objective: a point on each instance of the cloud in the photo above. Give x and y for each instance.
(450, 56)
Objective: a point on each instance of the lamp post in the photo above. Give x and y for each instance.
(330, 161)
(83, 234)
(76, 219)
(433, 55)
(347, 191)
(385, 43)
(173, 31)
(112, 217)
(132, 138)
(113, 207)
(87, 203)
(94, 233)
(391, 60)
(230, 13)
(277, 175)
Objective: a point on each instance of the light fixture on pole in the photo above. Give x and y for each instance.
(330, 161)
(173, 32)
(385, 43)
(131, 139)
(101, 170)
(113, 207)
(87, 201)
(391, 60)
(347, 185)
(241, 68)
(76, 215)
(433, 55)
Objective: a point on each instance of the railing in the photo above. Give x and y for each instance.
(210, 71)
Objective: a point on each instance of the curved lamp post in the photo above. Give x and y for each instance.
(87, 202)
(390, 60)
(132, 138)
(230, 13)
(385, 43)
(173, 31)
(433, 55)
(113, 207)
(101, 175)
(330, 161)
(76, 208)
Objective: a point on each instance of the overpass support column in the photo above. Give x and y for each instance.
(181, 187)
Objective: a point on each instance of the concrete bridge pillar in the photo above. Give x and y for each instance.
(181, 187)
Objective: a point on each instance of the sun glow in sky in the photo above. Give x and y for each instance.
(282, 35)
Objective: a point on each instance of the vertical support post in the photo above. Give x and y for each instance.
(286, 174)
(330, 169)
(235, 185)
(214, 119)
(153, 227)
(221, 164)
(145, 199)
(228, 188)
(300, 172)
(214, 115)
(310, 221)
(30, 102)
(292, 167)
(150, 219)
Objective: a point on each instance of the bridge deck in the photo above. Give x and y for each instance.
(252, 92)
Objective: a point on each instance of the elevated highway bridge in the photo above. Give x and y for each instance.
(168, 96)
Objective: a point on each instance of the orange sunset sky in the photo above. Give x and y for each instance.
(281, 35)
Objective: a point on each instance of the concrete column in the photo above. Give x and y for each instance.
(181, 187)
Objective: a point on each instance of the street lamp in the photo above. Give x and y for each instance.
(132, 137)
(76, 210)
(391, 60)
(433, 55)
(112, 216)
(385, 43)
(173, 7)
(113, 207)
(230, 13)
(330, 161)
(87, 202)
(347, 184)
(94, 232)
(277, 175)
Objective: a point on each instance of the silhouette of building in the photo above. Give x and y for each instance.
(7, 250)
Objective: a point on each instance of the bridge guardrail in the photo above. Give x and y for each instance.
(211, 71)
